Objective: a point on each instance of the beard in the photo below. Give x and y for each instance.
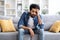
(32, 15)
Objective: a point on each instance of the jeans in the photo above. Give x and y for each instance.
(39, 32)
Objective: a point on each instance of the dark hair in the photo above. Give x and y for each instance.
(34, 6)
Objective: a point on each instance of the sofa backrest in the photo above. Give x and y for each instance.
(49, 20)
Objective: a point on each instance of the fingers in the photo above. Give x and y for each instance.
(31, 32)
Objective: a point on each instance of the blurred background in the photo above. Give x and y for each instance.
(14, 8)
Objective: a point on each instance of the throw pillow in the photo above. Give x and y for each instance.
(7, 26)
(55, 27)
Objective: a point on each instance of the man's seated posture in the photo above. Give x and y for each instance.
(31, 23)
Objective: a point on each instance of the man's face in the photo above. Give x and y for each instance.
(34, 12)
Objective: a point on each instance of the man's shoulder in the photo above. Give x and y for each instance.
(25, 13)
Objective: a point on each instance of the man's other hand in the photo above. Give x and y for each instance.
(31, 32)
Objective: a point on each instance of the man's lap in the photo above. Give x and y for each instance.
(27, 31)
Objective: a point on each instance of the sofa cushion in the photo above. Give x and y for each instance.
(8, 35)
(15, 20)
(49, 20)
(7, 25)
(4, 17)
(15, 25)
(55, 27)
(51, 35)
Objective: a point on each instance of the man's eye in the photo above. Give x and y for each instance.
(32, 11)
(36, 12)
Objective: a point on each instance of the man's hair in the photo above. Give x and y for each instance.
(34, 6)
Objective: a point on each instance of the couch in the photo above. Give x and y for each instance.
(48, 21)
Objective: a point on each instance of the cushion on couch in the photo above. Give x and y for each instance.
(7, 25)
(55, 27)
(49, 20)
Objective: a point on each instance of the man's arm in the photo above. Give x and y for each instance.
(21, 22)
(40, 24)
(30, 30)
(39, 20)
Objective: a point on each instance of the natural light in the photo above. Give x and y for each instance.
(54, 7)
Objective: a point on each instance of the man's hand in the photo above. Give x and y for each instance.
(39, 20)
(31, 32)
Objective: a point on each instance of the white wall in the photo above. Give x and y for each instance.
(54, 6)
(34, 1)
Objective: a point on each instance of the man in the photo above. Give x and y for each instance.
(31, 23)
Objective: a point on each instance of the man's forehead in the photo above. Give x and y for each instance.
(35, 9)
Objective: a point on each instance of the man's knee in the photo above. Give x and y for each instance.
(41, 31)
(21, 30)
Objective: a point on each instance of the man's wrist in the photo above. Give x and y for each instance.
(39, 24)
(29, 28)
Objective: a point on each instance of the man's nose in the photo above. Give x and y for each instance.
(34, 13)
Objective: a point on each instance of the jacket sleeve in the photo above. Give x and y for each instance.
(40, 26)
(21, 21)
